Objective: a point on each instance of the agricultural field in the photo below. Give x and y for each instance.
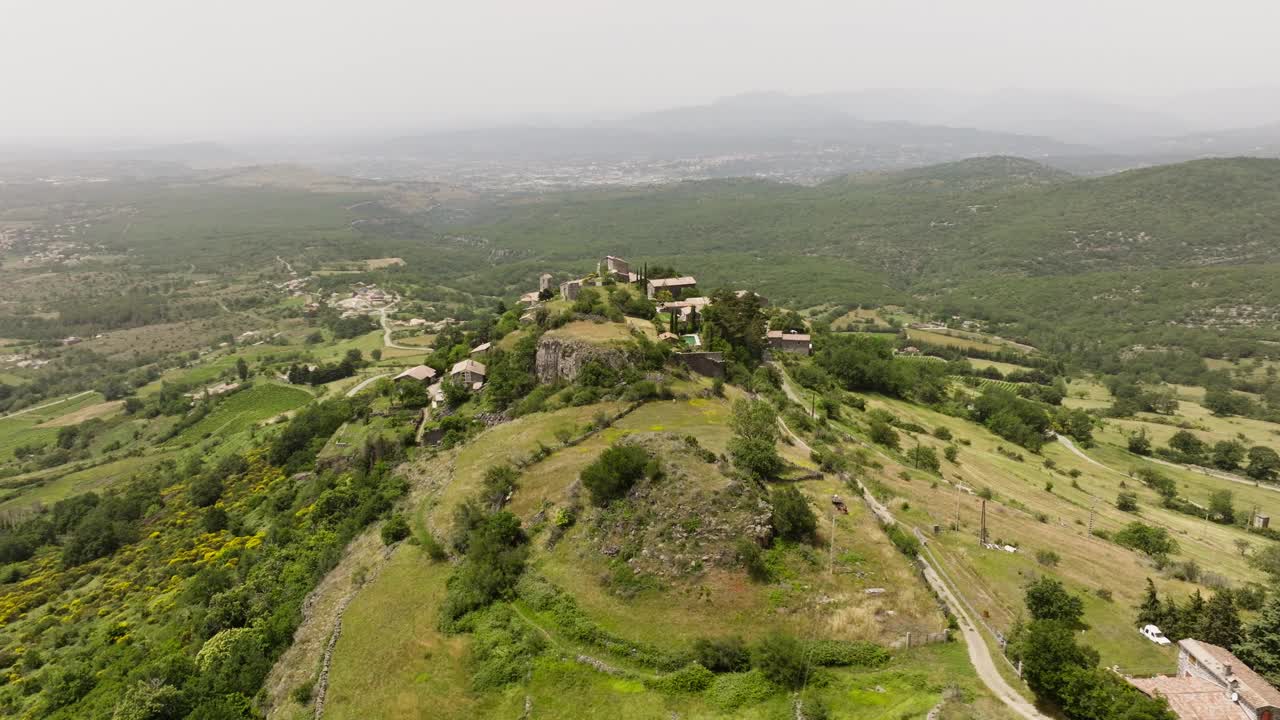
(603, 332)
(953, 338)
(245, 409)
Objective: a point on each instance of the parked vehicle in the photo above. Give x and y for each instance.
(1152, 633)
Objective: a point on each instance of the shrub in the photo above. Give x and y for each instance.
(793, 519)
(847, 653)
(753, 560)
(732, 691)
(613, 474)
(882, 433)
(1153, 541)
(502, 649)
(722, 654)
(692, 678)
(1127, 501)
(496, 553)
(1048, 558)
(781, 658)
(395, 529)
(924, 458)
(951, 452)
(942, 432)
(498, 483)
(906, 543)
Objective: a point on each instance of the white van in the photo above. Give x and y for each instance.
(1152, 633)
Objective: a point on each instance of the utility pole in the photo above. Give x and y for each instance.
(831, 554)
(1091, 521)
(957, 522)
(983, 532)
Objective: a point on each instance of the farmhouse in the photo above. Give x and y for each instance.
(675, 285)
(1212, 684)
(468, 371)
(684, 309)
(544, 282)
(615, 266)
(799, 343)
(421, 373)
(569, 289)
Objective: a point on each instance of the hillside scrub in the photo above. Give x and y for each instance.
(614, 473)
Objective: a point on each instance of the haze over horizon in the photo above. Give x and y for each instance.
(239, 70)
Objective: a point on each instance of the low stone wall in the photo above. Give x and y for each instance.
(710, 364)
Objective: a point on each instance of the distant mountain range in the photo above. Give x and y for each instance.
(792, 138)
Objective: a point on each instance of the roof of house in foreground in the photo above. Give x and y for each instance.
(419, 372)
(1192, 698)
(1253, 688)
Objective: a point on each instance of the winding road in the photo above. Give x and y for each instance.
(47, 405)
(365, 383)
(979, 653)
(386, 333)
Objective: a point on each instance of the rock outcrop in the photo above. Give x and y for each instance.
(563, 358)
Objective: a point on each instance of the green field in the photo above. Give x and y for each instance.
(244, 409)
(34, 426)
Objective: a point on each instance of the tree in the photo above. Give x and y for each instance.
(722, 655)
(782, 659)
(242, 369)
(1221, 621)
(1149, 610)
(1190, 447)
(498, 483)
(1154, 541)
(1221, 508)
(1048, 599)
(1260, 649)
(1140, 442)
(1227, 454)
(613, 474)
(925, 458)
(411, 394)
(1268, 560)
(1264, 463)
(1127, 501)
(882, 433)
(1190, 618)
(754, 443)
(792, 517)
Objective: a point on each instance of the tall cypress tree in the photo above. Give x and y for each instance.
(1221, 621)
(1149, 610)
(1260, 649)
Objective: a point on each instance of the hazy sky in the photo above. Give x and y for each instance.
(186, 68)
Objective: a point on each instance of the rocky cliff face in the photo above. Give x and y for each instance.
(563, 358)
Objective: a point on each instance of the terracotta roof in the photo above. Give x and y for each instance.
(1192, 698)
(420, 372)
(674, 282)
(467, 366)
(482, 347)
(798, 337)
(1255, 690)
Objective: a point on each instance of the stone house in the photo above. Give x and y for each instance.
(798, 343)
(1212, 684)
(569, 289)
(469, 372)
(676, 286)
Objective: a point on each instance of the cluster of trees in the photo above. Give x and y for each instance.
(234, 616)
(1065, 673)
(867, 364)
(1258, 462)
(614, 302)
(1016, 419)
(327, 373)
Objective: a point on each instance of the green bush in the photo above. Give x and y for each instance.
(395, 529)
(735, 690)
(793, 519)
(503, 648)
(781, 658)
(847, 653)
(613, 473)
(721, 655)
(753, 560)
(692, 678)
(496, 553)
(906, 543)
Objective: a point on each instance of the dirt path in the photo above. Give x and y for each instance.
(1066, 442)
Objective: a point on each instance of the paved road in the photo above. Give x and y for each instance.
(1190, 468)
(365, 383)
(386, 333)
(47, 405)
